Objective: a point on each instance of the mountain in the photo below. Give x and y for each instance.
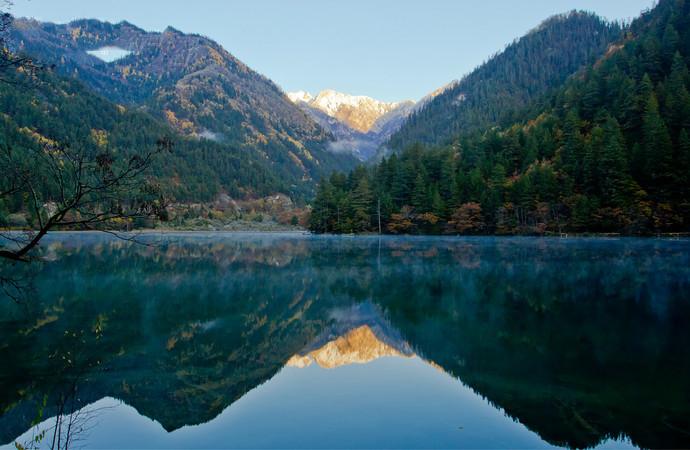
(496, 92)
(357, 334)
(606, 151)
(359, 112)
(359, 123)
(191, 83)
(358, 346)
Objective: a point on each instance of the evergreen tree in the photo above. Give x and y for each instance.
(572, 150)
(420, 198)
(652, 62)
(684, 163)
(321, 219)
(447, 181)
(658, 149)
(669, 44)
(592, 162)
(616, 182)
(493, 197)
(591, 97)
(678, 97)
(361, 204)
(438, 207)
(628, 113)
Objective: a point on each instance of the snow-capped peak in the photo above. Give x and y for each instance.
(331, 101)
(357, 111)
(300, 96)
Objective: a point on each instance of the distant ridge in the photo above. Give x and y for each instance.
(510, 81)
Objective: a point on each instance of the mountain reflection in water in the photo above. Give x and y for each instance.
(393, 342)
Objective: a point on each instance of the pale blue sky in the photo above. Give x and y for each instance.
(387, 49)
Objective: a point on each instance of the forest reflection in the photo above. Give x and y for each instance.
(580, 340)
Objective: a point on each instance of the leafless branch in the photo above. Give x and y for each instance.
(91, 190)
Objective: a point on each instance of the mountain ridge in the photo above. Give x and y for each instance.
(194, 85)
(359, 123)
(498, 91)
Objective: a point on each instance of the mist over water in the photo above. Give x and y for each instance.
(288, 340)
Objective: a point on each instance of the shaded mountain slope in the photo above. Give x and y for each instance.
(497, 91)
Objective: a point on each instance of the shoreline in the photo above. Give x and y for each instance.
(303, 231)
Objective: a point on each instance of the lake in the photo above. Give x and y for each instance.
(295, 341)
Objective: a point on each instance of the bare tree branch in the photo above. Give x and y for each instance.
(91, 189)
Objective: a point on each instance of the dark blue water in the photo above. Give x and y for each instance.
(261, 341)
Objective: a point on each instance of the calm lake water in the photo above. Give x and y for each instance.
(255, 341)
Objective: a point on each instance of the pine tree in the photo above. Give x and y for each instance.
(652, 59)
(658, 149)
(678, 97)
(592, 162)
(683, 174)
(360, 204)
(420, 197)
(397, 181)
(438, 207)
(616, 182)
(320, 220)
(409, 172)
(644, 90)
(628, 113)
(669, 44)
(513, 152)
(493, 195)
(447, 180)
(591, 97)
(572, 150)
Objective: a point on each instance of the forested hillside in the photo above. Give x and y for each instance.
(199, 90)
(234, 134)
(61, 111)
(609, 151)
(497, 92)
(47, 111)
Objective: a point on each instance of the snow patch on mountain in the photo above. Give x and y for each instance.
(109, 53)
(300, 96)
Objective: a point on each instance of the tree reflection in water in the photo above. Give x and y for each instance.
(580, 340)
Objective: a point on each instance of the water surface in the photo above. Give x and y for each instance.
(286, 340)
